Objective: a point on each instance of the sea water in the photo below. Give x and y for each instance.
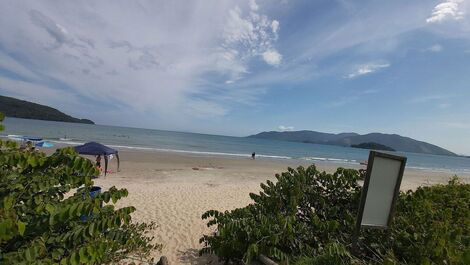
(214, 145)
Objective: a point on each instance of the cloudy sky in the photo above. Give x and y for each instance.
(240, 67)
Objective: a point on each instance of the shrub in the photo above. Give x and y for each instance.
(433, 225)
(298, 215)
(42, 221)
(308, 217)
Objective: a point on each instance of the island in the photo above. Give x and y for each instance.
(17, 108)
(373, 146)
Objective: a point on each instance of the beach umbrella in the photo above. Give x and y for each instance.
(94, 148)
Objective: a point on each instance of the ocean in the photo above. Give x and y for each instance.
(214, 145)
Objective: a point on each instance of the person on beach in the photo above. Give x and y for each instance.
(253, 155)
(98, 162)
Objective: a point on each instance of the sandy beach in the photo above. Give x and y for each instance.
(174, 190)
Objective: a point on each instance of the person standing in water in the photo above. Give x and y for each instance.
(253, 155)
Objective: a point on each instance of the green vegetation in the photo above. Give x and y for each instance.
(16, 108)
(374, 146)
(307, 217)
(44, 220)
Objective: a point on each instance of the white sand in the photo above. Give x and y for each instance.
(174, 190)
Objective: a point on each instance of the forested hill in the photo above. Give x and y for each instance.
(373, 146)
(17, 108)
(395, 141)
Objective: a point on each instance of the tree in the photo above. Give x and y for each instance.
(47, 215)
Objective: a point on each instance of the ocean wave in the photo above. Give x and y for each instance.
(199, 152)
(179, 150)
(66, 142)
(440, 170)
(248, 155)
(329, 159)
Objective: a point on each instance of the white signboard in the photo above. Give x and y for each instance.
(380, 191)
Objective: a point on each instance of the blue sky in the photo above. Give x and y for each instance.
(240, 67)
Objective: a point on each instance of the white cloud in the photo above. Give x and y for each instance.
(272, 57)
(368, 68)
(98, 52)
(434, 48)
(56, 31)
(447, 10)
(247, 35)
(275, 26)
(253, 5)
(283, 128)
(10, 64)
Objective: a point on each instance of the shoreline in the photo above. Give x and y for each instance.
(346, 161)
(339, 162)
(166, 158)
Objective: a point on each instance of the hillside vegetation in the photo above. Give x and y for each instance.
(394, 141)
(374, 146)
(16, 108)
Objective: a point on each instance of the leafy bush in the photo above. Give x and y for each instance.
(433, 225)
(308, 217)
(298, 215)
(42, 222)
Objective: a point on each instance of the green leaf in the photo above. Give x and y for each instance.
(91, 229)
(50, 208)
(84, 258)
(8, 202)
(74, 259)
(114, 198)
(29, 254)
(21, 227)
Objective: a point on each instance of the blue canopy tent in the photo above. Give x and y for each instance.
(93, 148)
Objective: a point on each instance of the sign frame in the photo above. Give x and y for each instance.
(365, 188)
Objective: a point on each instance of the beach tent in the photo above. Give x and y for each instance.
(93, 148)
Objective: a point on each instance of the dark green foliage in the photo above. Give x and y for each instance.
(372, 145)
(433, 225)
(298, 215)
(40, 212)
(2, 117)
(13, 107)
(308, 217)
(332, 254)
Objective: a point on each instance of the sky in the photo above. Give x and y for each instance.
(238, 67)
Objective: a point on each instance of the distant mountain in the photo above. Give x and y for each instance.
(16, 108)
(303, 136)
(373, 146)
(397, 142)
